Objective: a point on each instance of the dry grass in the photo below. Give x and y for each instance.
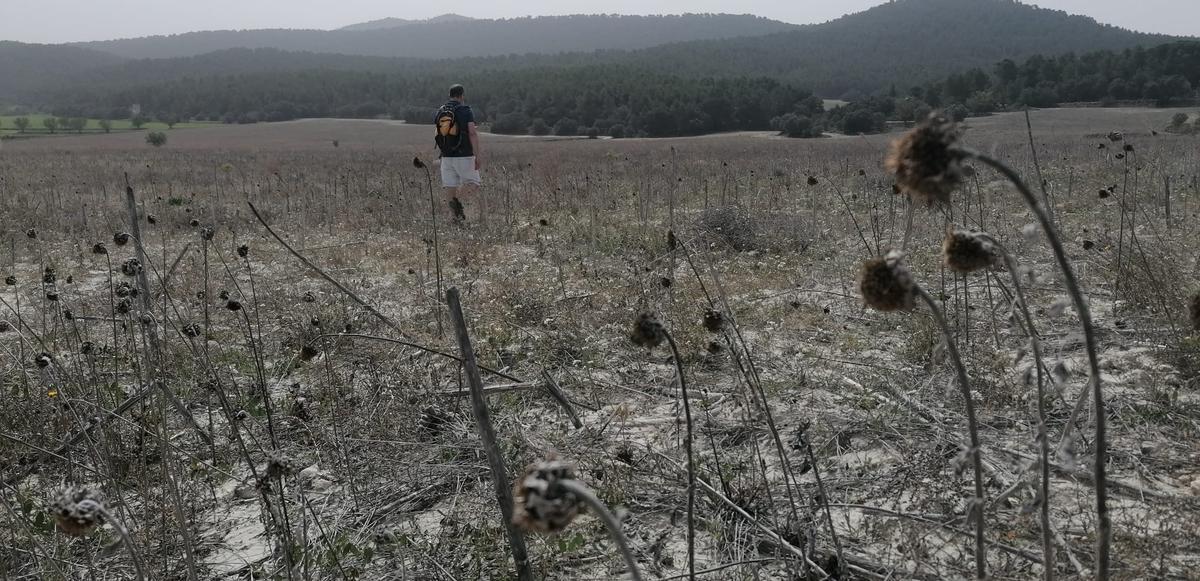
(375, 468)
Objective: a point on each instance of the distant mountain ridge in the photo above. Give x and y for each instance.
(456, 37)
(392, 22)
(899, 44)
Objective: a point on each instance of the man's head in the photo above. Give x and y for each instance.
(456, 92)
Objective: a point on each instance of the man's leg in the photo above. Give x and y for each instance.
(454, 202)
(451, 184)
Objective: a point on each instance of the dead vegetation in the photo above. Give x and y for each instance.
(325, 432)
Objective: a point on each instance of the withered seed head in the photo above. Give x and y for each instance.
(886, 284)
(32, 232)
(131, 267)
(43, 360)
(542, 505)
(648, 332)
(5, 326)
(923, 162)
(77, 510)
(234, 306)
(99, 248)
(417, 163)
(121, 238)
(10, 280)
(714, 321)
(279, 464)
(964, 251)
(243, 251)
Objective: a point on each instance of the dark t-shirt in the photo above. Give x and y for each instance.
(463, 117)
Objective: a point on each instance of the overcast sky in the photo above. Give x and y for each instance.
(75, 20)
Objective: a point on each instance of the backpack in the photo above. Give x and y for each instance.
(448, 137)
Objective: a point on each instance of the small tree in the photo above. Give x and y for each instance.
(539, 127)
(22, 123)
(566, 127)
(170, 119)
(137, 121)
(106, 125)
(1179, 119)
(156, 138)
(77, 124)
(51, 124)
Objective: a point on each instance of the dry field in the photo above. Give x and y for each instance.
(318, 432)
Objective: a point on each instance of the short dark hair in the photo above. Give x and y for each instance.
(456, 91)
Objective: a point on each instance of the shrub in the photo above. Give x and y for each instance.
(156, 138)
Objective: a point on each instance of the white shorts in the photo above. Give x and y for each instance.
(459, 171)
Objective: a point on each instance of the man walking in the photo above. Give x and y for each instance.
(458, 140)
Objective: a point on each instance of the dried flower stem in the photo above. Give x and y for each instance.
(977, 503)
(1103, 524)
(125, 538)
(487, 434)
(1042, 437)
(437, 252)
(691, 465)
(156, 352)
(610, 521)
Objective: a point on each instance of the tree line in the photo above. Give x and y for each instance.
(624, 100)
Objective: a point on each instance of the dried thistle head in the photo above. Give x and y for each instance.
(10, 280)
(280, 465)
(417, 163)
(32, 233)
(647, 331)
(965, 251)
(43, 360)
(131, 267)
(121, 238)
(925, 165)
(714, 321)
(49, 275)
(1195, 311)
(886, 284)
(542, 505)
(99, 248)
(243, 251)
(77, 510)
(5, 326)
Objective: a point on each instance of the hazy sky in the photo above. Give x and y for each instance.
(74, 20)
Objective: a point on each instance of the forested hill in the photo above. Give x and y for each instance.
(902, 42)
(442, 38)
(26, 65)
